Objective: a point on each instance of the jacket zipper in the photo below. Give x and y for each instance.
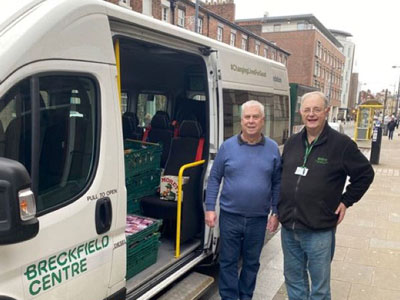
(295, 202)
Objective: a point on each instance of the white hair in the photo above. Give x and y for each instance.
(252, 103)
(315, 93)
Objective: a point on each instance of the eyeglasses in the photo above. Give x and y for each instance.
(315, 110)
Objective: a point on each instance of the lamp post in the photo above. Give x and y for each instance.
(398, 93)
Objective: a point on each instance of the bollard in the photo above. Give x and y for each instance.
(376, 145)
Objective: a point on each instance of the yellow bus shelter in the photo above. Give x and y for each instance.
(365, 120)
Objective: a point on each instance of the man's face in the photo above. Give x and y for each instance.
(252, 121)
(313, 113)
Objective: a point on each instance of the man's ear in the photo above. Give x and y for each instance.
(328, 109)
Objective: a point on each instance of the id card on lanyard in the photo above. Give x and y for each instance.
(302, 171)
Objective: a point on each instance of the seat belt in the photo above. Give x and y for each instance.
(199, 152)
(146, 133)
(176, 128)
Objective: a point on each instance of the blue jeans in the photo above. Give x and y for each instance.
(240, 236)
(308, 254)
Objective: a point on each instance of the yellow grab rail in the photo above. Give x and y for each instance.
(118, 62)
(179, 204)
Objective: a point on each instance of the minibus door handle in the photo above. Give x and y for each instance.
(103, 217)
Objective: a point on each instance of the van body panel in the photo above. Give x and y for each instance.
(57, 30)
(76, 37)
(58, 229)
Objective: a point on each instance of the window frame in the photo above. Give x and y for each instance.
(181, 17)
(220, 33)
(232, 41)
(34, 90)
(165, 14)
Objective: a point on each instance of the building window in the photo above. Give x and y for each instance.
(266, 52)
(220, 33)
(244, 43)
(165, 14)
(277, 27)
(233, 39)
(316, 68)
(318, 50)
(200, 25)
(301, 25)
(257, 50)
(181, 17)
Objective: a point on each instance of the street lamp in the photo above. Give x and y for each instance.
(398, 93)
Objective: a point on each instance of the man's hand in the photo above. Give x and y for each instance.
(273, 223)
(211, 218)
(341, 211)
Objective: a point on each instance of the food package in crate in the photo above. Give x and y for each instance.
(134, 224)
(169, 187)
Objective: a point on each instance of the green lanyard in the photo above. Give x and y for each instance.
(308, 150)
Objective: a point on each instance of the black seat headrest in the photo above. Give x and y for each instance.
(160, 121)
(132, 116)
(190, 129)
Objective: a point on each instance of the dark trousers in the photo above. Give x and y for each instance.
(391, 134)
(240, 236)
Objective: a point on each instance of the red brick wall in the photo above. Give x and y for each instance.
(137, 5)
(301, 45)
(156, 9)
(226, 10)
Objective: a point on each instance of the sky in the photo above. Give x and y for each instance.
(374, 26)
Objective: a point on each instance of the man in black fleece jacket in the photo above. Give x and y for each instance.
(316, 163)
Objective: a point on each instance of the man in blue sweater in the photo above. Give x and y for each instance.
(250, 165)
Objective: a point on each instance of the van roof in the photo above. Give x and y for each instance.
(12, 10)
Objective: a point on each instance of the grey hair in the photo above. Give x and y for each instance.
(315, 93)
(252, 103)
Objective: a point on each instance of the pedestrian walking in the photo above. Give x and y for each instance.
(315, 165)
(250, 165)
(391, 126)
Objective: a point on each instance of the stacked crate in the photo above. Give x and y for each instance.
(142, 239)
(142, 171)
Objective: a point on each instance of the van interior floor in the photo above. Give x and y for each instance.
(165, 259)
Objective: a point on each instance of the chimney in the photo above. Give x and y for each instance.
(223, 8)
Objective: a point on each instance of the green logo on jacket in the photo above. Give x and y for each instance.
(321, 160)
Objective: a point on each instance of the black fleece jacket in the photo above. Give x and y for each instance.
(309, 202)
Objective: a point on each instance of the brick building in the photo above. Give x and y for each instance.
(316, 58)
(216, 20)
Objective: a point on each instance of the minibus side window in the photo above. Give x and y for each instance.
(66, 138)
(276, 109)
(148, 105)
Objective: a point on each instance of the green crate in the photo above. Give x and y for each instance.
(144, 184)
(141, 260)
(139, 247)
(133, 206)
(133, 239)
(141, 157)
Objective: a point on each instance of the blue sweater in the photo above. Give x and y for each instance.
(252, 175)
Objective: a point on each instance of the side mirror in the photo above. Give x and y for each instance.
(18, 220)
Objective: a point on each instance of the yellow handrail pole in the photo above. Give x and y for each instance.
(118, 62)
(356, 125)
(179, 204)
